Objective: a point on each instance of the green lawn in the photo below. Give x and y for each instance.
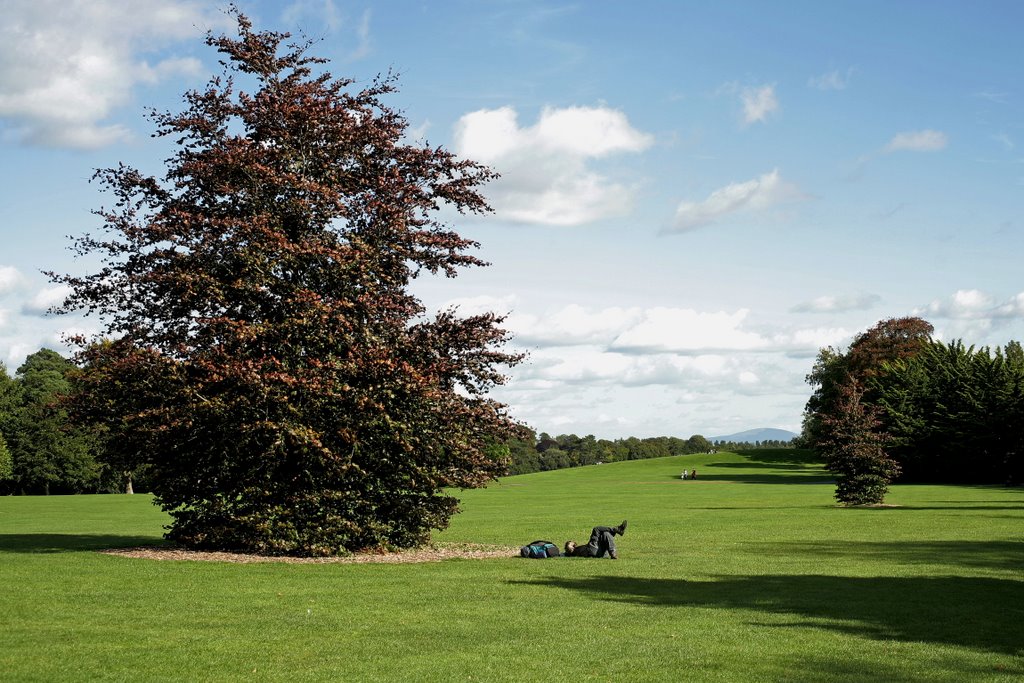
(749, 573)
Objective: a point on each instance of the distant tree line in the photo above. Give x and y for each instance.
(537, 453)
(898, 404)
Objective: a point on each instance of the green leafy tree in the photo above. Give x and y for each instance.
(261, 290)
(50, 454)
(854, 449)
(8, 401)
(887, 342)
(6, 463)
(698, 444)
(523, 453)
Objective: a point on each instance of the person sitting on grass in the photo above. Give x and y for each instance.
(602, 540)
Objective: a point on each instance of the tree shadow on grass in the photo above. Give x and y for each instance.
(770, 466)
(999, 555)
(65, 543)
(774, 476)
(813, 667)
(764, 473)
(781, 456)
(975, 612)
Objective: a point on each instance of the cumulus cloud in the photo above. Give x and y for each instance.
(973, 304)
(573, 325)
(680, 330)
(66, 66)
(758, 103)
(805, 343)
(551, 368)
(45, 299)
(638, 331)
(753, 195)
(837, 304)
(10, 279)
(918, 141)
(656, 366)
(478, 305)
(547, 174)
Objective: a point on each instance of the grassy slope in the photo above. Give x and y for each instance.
(748, 574)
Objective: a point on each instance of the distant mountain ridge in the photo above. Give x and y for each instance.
(752, 435)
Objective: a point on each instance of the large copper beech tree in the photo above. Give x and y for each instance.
(294, 395)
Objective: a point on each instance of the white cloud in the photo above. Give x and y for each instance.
(45, 299)
(552, 368)
(752, 195)
(748, 378)
(652, 331)
(573, 325)
(1014, 308)
(837, 304)
(806, 342)
(66, 66)
(758, 103)
(973, 304)
(546, 170)
(657, 366)
(418, 134)
(918, 141)
(478, 305)
(679, 330)
(10, 279)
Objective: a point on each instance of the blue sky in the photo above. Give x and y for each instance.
(695, 197)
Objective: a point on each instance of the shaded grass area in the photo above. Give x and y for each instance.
(65, 543)
(950, 610)
(720, 579)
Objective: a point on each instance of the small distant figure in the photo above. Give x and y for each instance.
(602, 540)
(693, 475)
(686, 474)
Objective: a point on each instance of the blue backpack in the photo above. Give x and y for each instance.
(539, 550)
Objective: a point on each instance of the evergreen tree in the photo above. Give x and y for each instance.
(853, 447)
(956, 413)
(887, 342)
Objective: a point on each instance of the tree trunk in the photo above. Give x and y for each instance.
(128, 483)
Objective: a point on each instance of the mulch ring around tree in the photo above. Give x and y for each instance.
(433, 553)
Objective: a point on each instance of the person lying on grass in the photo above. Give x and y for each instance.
(602, 540)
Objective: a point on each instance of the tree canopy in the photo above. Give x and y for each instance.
(941, 411)
(48, 452)
(294, 396)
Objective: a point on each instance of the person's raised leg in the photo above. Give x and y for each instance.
(608, 544)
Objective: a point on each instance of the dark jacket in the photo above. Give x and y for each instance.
(581, 551)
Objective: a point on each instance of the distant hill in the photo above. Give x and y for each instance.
(752, 435)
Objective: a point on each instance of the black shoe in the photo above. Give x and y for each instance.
(621, 529)
(613, 555)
